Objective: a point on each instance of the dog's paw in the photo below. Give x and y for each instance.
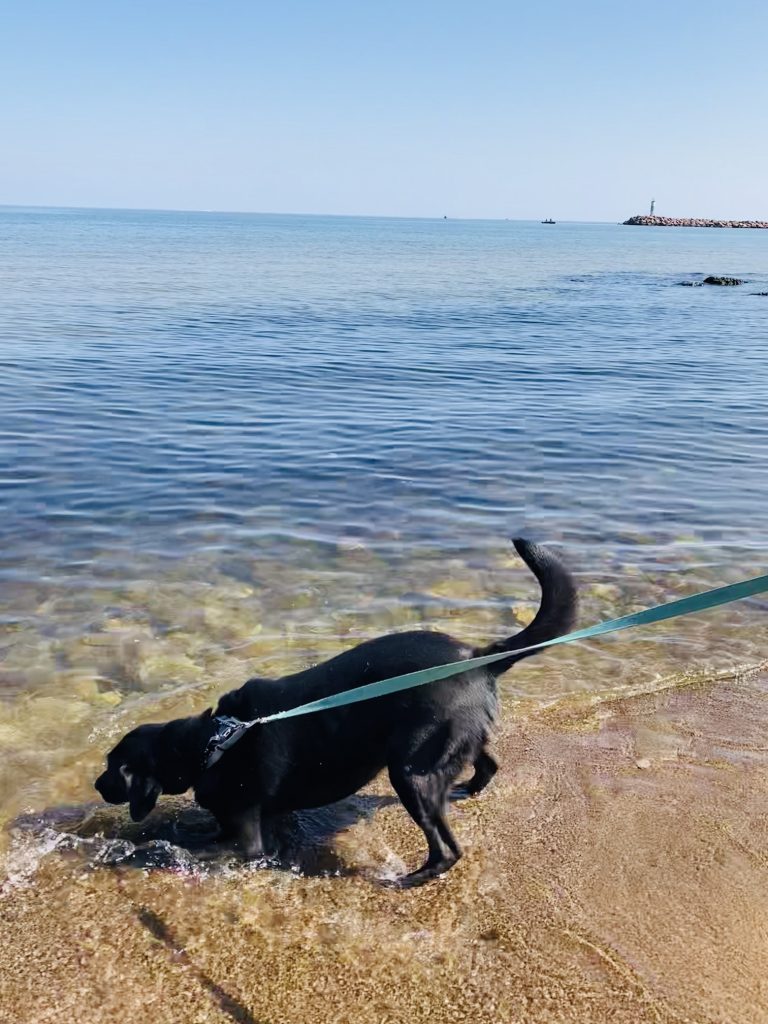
(462, 792)
(415, 878)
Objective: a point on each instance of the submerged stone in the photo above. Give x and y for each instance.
(231, 623)
(399, 615)
(163, 667)
(523, 613)
(728, 281)
(454, 589)
(604, 591)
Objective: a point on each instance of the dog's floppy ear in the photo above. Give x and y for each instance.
(143, 792)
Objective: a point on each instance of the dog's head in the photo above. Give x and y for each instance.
(154, 759)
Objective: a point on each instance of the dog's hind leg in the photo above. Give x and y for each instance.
(485, 768)
(423, 796)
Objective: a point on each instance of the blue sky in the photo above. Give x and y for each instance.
(579, 111)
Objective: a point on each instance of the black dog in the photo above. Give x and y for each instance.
(424, 737)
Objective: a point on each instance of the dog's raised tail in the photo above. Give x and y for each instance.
(557, 611)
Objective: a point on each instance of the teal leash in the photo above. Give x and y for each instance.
(231, 733)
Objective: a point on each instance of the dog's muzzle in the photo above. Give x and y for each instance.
(112, 790)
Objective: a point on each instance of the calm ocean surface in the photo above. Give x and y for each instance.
(277, 434)
(169, 376)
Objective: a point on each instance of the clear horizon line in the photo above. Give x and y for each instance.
(289, 213)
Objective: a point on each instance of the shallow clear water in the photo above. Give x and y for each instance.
(235, 443)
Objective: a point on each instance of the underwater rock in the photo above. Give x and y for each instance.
(455, 589)
(295, 599)
(262, 647)
(236, 590)
(727, 281)
(604, 591)
(348, 624)
(231, 623)
(483, 622)
(524, 613)
(49, 713)
(353, 551)
(399, 616)
(27, 666)
(157, 664)
(94, 689)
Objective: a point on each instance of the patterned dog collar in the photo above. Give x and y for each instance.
(228, 731)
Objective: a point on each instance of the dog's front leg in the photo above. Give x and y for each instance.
(249, 834)
(244, 829)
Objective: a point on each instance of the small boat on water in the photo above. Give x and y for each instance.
(549, 222)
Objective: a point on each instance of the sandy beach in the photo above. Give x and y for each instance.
(614, 871)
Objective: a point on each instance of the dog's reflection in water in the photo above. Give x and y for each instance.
(180, 836)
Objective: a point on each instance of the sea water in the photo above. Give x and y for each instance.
(236, 443)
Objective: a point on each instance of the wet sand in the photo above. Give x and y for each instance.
(615, 870)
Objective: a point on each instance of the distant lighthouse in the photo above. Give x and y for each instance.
(653, 206)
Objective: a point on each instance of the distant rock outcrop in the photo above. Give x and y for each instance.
(653, 221)
(715, 279)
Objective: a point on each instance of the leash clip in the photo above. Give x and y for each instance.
(229, 730)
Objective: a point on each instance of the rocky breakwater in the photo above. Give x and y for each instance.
(653, 221)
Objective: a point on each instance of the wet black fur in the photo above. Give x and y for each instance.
(424, 737)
